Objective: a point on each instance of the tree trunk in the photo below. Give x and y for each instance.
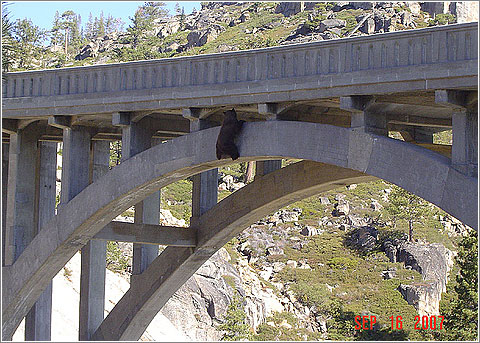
(249, 172)
(410, 230)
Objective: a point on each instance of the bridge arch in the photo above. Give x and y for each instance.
(420, 171)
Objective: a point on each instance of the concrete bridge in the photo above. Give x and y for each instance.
(331, 104)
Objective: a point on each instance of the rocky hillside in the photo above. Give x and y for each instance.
(230, 26)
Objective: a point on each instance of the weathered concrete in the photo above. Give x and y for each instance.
(75, 163)
(5, 149)
(93, 260)
(418, 170)
(464, 107)
(266, 167)
(413, 60)
(148, 234)
(38, 322)
(205, 185)
(137, 137)
(133, 313)
(21, 189)
(363, 118)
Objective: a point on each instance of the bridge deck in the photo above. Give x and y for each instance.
(304, 81)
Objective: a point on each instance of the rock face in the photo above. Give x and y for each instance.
(364, 238)
(433, 262)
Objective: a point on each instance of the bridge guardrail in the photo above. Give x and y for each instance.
(381, 51)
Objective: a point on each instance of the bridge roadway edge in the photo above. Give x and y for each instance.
(163, 164)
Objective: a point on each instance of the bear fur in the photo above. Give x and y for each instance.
(231, 127)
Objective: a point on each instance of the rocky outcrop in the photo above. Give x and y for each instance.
(202, 37)
(433, 262)
(363, 238)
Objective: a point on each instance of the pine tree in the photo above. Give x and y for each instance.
(28, 40)
(178, 10)
(235, 325)
(407, 206)
(8, 46)
(462, 314)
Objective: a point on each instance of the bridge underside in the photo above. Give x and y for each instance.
(421, 171)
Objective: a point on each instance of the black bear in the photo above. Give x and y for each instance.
(229, 130)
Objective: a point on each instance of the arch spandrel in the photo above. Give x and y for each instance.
(136, 178)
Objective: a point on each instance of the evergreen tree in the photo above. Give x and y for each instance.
(28, 40)
(407, 206)
(461, 317)
(235, 325)
(89, 31)
(8, 46)
(144, 19)
(178, 10)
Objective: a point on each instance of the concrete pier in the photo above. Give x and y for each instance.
(38, 322)
(93, 260)
(137, 137)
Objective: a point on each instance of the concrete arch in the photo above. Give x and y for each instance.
(169, 271)
(420, 171)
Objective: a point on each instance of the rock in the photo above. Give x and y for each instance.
(433, 262)
(336, 31)
(434, 8)
(352, 186)
(289, 8)
(342, 208)
(324, 201)
(406, 18)
(375, 205)
(275, 250)
(369, 26)
(285, 325)
(237, 186)
(304, 265)
(292, 264)
(362, 5)
(202, 37)
(309, 231)
(167, 27)
(174, 46)
(357, 221)
(388, 274)
(464, 11)
(166, 218)
(328, 24)
(339, 196)
(363, 238)
(277, 267)
(266, 274)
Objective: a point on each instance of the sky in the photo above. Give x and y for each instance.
(41, 13)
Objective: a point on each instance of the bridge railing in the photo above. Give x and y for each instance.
(381, 51)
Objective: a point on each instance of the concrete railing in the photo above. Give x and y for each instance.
(382, 51)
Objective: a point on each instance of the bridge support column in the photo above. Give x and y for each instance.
(5, 148)
(38, 322)
(265, 167)
(464, 128)
(22, 165)
(137, 137)
(93, 265)
(363, 119)
(75, 163)
(270, 111)
(205, 185)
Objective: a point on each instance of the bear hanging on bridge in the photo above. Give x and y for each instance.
(229, 130)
